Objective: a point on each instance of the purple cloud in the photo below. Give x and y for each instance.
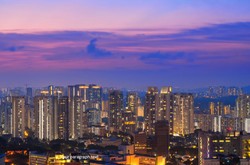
(96, 52)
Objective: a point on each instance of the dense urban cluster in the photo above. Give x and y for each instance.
(88, 124)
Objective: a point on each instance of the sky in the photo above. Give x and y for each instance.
(125, 44)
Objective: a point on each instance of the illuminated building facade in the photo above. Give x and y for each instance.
(77, 96)
(72, 94)
(37, 159)
(151, 108)
(128, 121)
(140, 142)
(183, 108)
(212, 145)
(80, 118)
(204, 122)
(19, 116)
(62, 117)
(93, 117)
(245, 147)
(6, 116)
(212, 108)
(207, 122)
(243, 106)
(219, 109)
(94, 96)
(247, 125)
(165, 109)
(164, 112)
(45, 121)
(115, 110)
(227, 110)
(82, 97)
(132, 102)
(129, 117)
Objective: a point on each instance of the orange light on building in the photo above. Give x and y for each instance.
(129, 122)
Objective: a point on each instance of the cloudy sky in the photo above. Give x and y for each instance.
(133, 43)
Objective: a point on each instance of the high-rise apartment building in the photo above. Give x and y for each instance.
(19, 120)
(62, 117)
(93, 117)
(243, 106)
(151, 108)
(6, 116)
(204, 121)
(227, 110)
(94, 96)
(51, 91)
(132, 102)
(212, 108)
(165, 108)
(129, 117)
(128, 121)
(45, 117)
(217, 123)
(82, 97)
(77, 96)
(79, 120)
(115, 110)
(72, 93)
(219, 109)
(183, 108)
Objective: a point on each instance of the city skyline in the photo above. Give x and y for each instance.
(153, 45)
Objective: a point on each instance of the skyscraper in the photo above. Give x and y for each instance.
(128, 121)
(129, 114)
(165, 109)
(6, 116)
(115, 110)
(219, 110)
(164, 112)
(183, 109)
(72, 93)
(94, 96)
(80, 118)
(19, 116)
(82, 97)
(45, 124)
(77, 96)
(243, 106)
(132, 101)
(151, 107)
(62, 115)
